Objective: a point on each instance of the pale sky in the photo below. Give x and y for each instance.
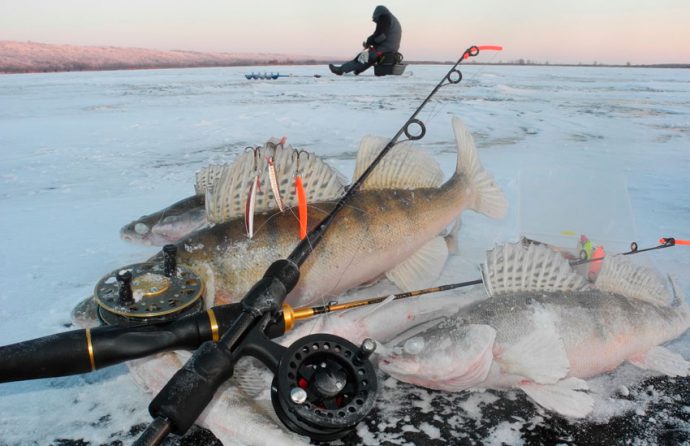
(604, 31)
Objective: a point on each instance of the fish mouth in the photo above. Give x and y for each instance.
(142, 240)
(398, 366)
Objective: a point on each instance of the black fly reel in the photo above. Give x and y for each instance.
(148, 292)
(325, 386)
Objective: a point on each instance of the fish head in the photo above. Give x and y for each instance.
(448, 355)
(158, 230)
(137, 232)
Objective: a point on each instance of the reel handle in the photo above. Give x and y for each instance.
(188, 392)
(81, 351)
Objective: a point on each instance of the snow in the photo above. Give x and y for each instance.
(85, 153)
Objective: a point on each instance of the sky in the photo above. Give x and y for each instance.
(554, 31)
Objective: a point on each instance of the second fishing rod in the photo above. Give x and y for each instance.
(86, 350)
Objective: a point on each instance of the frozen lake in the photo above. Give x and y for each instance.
(85, 153)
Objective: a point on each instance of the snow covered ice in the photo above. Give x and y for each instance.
(85, 153)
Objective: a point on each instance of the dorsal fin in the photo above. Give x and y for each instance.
(208, 175)
(621, 276)
(226, 186)
(514, 268)
(404, 167)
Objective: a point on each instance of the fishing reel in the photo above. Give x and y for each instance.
(324, 386)
(148, 292)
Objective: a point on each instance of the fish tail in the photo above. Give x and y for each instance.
(485, 195)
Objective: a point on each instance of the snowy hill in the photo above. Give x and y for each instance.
(28, 57)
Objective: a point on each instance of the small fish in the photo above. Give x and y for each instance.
(391, 226)
(544, 330)
(225, 183)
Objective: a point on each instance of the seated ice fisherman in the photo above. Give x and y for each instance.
(386, 39)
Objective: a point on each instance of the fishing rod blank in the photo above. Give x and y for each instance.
(193, 386)
(86, 350)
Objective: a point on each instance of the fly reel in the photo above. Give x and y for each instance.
(325, 386)
(148, 292)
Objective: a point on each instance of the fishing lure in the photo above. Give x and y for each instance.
(274, 183)
(302, 207)
(249, 209)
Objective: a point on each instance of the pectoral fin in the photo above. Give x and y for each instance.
(540, 356)
(662, 360)
(422, 268)
(567, 397)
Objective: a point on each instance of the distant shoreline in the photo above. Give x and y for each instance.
(33, 57)
(46, 70)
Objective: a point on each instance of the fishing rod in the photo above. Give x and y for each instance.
(323, 385)
(664, 242)
(327, 409)
(86, 350)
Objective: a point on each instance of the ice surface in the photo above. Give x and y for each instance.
(85, 153)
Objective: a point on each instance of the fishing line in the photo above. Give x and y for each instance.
(440, 106)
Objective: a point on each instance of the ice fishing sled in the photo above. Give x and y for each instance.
(389, 64)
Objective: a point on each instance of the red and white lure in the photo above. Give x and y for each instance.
(274, 183)
(249, 208)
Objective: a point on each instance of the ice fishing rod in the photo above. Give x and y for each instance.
(664, 242)
(86, 350)
(334, 400)
(307, 312)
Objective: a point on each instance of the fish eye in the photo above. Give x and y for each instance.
(414, 346)
(141, 228)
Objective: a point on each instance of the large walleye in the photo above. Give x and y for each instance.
(544, 330)
(391, 226)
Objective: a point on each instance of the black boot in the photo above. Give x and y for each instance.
(335, 70)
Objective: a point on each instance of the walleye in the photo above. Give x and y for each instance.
(544, 330)
(391, 226)
(216, 181)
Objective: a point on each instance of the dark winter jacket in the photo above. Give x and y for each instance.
(386, 37)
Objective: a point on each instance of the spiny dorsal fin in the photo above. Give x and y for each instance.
(209, 175)
(517, 268)
(404, 167)
(621, 276)
(226, 196)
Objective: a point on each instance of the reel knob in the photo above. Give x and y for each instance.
(148, 292)
(324, 387)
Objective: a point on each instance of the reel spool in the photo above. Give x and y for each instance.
(148, 292)
(325, 386)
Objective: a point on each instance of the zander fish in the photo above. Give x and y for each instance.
(217, 181)
(391, 226)
(544, 330)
